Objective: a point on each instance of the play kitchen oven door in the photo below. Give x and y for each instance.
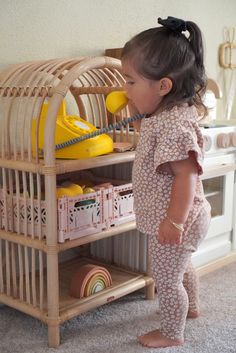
(218, 183)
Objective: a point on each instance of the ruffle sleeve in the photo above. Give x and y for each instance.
(177, 145)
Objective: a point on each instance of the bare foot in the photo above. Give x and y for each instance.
(155, 339)
(193, 314)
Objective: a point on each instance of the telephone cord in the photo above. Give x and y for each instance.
(99, 131)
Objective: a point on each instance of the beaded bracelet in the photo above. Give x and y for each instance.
(179, 226)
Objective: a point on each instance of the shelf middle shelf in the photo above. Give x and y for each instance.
(65, 166)
(122, 228)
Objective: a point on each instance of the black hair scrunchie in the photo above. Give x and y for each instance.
(173, 23)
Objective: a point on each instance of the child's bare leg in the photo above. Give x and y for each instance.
(191, 284)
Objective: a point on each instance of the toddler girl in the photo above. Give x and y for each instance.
(165, 79)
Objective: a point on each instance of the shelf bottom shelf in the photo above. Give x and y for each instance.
(123, 283)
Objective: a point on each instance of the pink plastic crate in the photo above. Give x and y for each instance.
(119, 204)
(17, 214)
(79, 216)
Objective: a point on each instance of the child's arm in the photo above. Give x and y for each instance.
(182, 195)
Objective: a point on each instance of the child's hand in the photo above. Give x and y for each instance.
(168, 234)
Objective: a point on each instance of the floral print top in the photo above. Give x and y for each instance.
(168, 136)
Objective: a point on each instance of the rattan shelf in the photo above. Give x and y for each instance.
(32, 279)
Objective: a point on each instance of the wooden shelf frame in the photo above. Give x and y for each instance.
(23, 90)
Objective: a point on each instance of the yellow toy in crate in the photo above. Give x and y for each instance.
(68, 129)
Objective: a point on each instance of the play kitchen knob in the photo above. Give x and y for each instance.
(207, 142)
(223, 140)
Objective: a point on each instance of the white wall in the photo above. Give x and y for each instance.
(33, 30)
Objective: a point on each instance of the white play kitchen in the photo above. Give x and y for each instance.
(77, 200)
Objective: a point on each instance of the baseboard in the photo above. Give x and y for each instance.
(215, 265)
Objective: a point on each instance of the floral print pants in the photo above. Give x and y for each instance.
(175, 277)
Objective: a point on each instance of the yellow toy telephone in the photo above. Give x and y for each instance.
(70, 128)
(76, 138)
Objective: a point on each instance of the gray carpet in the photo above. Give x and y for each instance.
(113, 328)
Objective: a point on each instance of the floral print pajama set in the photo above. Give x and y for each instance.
(170, 136)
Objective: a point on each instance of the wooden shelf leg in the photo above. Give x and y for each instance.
(53, 336)
(52, 264)
(150, 291)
